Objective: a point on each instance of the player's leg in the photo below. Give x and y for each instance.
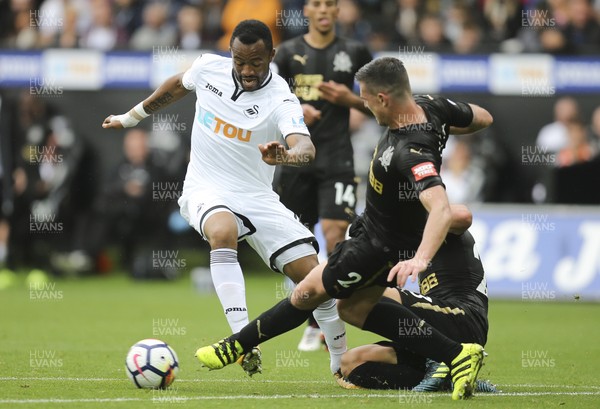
(283, 243)
(381, 366)
(311, 288)
(462, 327)
(283, 317)
(398, 323)
(298, 191)
(221, 231)
(337, 206)
(212, 216)
(334, 232)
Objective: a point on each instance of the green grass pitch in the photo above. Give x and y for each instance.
(64, 346)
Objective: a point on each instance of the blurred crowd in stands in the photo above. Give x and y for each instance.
(59, 212)
(445, 26)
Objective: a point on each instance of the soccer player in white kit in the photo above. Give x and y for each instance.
(241, 113)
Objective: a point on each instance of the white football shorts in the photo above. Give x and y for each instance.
(270, 228)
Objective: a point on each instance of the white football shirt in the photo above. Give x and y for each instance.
(230, 123)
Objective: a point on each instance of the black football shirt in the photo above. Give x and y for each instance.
(304, 68)
(406, 162)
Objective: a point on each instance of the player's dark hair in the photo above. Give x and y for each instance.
(385, 74)
(251, 31)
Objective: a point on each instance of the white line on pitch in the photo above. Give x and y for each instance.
(169, 398)
(179, 380)
(76, 379)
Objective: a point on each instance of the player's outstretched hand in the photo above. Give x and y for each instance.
(311, 114)
(273, 153)
(335, 93)
(112, 121)
(407, 268)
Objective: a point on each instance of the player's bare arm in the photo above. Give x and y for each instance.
(168, 92)
(311, 114)
(461, 221)
(462, 218)
(438, 224)
(481, 120)
(301, 151)
(340, 94)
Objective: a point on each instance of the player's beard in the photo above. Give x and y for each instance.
(251, 87)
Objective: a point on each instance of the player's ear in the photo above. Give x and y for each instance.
(273, 51)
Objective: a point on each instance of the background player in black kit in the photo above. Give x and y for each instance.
(406, 220)
(320, 68)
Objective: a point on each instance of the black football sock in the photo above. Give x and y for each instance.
(380, 375)
(397, 323)
(281, 318)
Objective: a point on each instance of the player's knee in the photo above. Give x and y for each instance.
(349, 313)
(307, 297)
(350, 360)
(355, 357)
(223, 239)
(221, 231)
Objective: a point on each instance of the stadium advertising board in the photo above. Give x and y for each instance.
(539, 253)
(497, 74)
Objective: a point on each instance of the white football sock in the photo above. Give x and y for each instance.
(334, 331)
(229, 283)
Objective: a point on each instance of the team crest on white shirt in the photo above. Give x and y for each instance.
(386, 157)
(342, 62)
(251, 112)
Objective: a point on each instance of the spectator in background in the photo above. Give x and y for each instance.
(553, 41)
(455, 18)
(463, 177)
(582, 30)
(55, 183)
(503, 18)
(127, 19)
(60, 22)
(407, 19)
(156, 31)
(293, 7)
(212, 11)
(189, 27)
(124, 212)
(595, 131)
(12, 177)
(16, 30)
(470, 40)
(578, 148)
(102, 34)
(238, 10)
(350, 23)
(431, 34)
(554, 136)
(528, 36)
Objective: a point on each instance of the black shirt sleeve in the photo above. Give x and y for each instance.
(457, 114)
(420, 168)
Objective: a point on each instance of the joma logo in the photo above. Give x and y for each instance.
(214, 89)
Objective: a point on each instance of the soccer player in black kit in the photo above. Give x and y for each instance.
(406, 220)
(320, 68)
(453, 299)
